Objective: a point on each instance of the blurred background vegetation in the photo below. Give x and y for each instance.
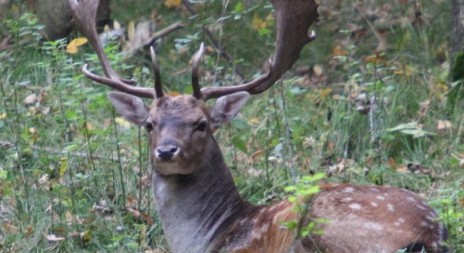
(367, 103)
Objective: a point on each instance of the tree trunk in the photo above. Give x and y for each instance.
(456, 94)
(56, 16)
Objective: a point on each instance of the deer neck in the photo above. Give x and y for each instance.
(194, 209)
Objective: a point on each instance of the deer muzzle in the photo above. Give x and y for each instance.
(167, 152)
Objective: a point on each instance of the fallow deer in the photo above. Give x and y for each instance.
(198, 204)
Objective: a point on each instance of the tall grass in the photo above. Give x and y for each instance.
(75, 177)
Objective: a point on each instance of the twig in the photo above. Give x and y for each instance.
(381, 47)
(57, 152)
(165, 31)
(214, 41)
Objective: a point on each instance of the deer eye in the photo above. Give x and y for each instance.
(148, 126)
(201, 126)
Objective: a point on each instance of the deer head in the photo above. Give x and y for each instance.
(179, 126)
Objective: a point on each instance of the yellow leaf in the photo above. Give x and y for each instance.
(173, 93)
(131, 30)
(258, 23)
(326, 92)
(72, 47)
(339, 51)
(3, 115)
(63, 166)
(172, 3)
(69, 217)
(407, 71)
(122, 122)
(254, 121)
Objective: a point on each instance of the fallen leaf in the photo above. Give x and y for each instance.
(172, 3)
(122, 122)
(69, 217)
(392, 162)
(72, 47)
(318, 70)
(256, 155)
(140, 215)
(30, 99)
(54, 238)
(339, 51)
(418, 169)
(254, 121)
(443, 125)
(402, 169)
(10, 229)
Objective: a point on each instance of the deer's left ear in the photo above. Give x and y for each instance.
(227, 107)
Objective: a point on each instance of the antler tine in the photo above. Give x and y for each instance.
(85, 14)
(196, 60)
(118, 85)
(293, 19)
(216, 92)
(156, 74)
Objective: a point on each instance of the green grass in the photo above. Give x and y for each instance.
(67, 169)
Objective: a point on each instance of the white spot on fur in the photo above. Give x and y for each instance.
(405, 191)
(276, 206)
(348, 189)
(401, 220)
(424, 224)
(255, 234)
(355, 206)
(397, 224)
(431, 217)
(380, 197)
(265, 228)
(374, 189)
(411, 199)
(421, 207)
(390, 207)
(346, 200)
(373, 226)
(243, 221)
(374, 204)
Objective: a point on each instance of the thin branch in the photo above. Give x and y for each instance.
(165, 31)
(214, 41)
(58, 152)
(158, 35)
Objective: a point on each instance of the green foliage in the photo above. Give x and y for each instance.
(73, 169)
(300, 195)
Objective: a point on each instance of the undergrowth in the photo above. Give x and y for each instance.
(366, 106)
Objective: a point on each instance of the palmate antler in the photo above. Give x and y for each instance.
(293, 19)
(84, 16)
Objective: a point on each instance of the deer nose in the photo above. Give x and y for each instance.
(167, 152)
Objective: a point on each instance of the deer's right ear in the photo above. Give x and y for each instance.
(130, 107)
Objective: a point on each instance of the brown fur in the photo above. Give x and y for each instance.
(392, 219)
